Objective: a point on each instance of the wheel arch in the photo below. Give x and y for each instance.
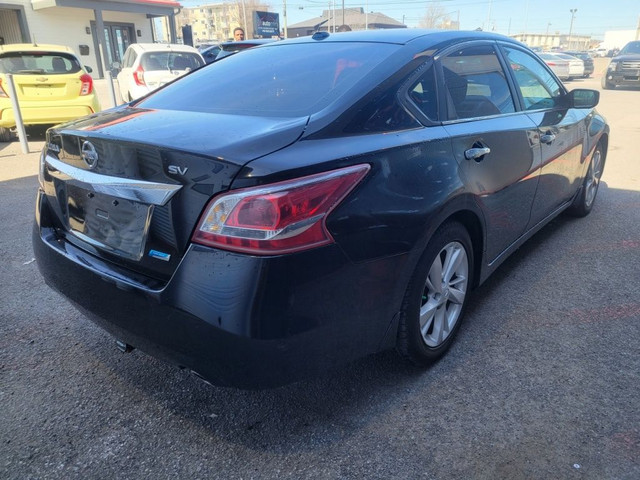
(471, 222)
(464, 210)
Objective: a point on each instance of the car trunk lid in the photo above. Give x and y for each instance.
(130, 185)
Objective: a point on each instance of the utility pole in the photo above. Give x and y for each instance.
(489, 16)
(284, 17)
(573, 14)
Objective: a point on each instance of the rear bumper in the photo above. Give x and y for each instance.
(40, 114)
(237, 320)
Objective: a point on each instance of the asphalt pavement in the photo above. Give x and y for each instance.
(542, 382)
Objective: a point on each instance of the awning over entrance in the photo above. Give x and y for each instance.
(150, 7)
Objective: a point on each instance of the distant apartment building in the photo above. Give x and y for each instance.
(216, 22)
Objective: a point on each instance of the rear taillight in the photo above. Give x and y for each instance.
(280, 218)
(138, 76)
(87, 84)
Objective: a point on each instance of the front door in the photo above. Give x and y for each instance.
(117, 38)
(492, 142)
(560, 133)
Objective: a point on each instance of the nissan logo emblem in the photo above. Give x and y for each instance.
(89, 154)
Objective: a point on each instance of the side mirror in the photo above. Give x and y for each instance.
(88, 69)
(583, 98)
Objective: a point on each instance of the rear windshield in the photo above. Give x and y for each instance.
(38, 63)
(273, 81)
(153, 61)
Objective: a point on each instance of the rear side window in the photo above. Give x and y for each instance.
(276, 81)
(475, 83)
(153, 61)
(423, 93)
(39, 63)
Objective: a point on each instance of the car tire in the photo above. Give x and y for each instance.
(5, 135)
(436, 297)
(583, 203)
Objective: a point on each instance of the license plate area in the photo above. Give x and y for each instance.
(117, 225)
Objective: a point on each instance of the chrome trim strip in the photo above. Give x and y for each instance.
(149, 193)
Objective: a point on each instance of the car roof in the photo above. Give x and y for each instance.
(249, 43)
(161, 47)
(35, 47)
(403, 36)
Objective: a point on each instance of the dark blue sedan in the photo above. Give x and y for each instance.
(312, 201)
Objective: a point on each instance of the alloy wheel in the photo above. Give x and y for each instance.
(593, 178)
(444, 294)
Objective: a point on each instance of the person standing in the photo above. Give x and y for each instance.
(238, 34)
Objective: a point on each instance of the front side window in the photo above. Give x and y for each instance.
(475, 83)
(38, 63)
(537, 85)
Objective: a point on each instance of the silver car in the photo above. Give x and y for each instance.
(560, 66)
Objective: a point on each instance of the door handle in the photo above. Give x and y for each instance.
(476, 153)
(547, 138)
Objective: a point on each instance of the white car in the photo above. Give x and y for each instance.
(576, 66)
(147, 66)
(560, 66)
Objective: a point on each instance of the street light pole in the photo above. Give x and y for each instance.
(573, 14)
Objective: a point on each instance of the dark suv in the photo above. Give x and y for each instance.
(624, 68)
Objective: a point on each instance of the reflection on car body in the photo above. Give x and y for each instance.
(313, 200)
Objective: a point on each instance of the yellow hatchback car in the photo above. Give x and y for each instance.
(51, 84)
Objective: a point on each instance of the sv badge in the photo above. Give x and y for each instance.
(176, 170)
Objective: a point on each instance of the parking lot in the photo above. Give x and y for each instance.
(542, 381)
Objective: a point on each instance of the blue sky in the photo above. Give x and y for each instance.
(593, 17)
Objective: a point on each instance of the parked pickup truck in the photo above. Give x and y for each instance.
(624, 68)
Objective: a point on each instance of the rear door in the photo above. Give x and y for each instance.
(560, 132)
(492, 142)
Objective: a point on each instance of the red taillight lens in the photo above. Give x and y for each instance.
(138, 76)
(87, 84)
(280, 218)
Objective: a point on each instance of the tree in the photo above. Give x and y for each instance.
(434, 17)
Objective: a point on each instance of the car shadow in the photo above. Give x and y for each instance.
(342, 402)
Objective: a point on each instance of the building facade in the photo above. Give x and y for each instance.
(556, 41)
(99, 31)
